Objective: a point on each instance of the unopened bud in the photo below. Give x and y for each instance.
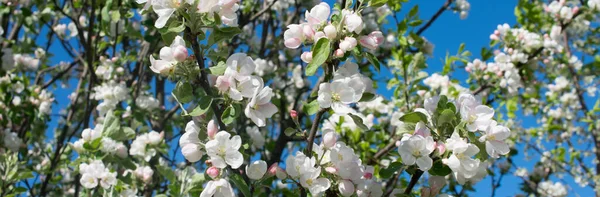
(180, 53)
(211, 129)
(213, 172)
(329, 139)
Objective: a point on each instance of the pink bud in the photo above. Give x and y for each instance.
(499, 73)
(114, 59)
(180, 53)
(213, 172)
(306, 57)
(273, 169)
(211, 129)
(368, 42)
(331, 170)
(293, 113)
(575, 10)
(398, 143)
(292, 43)
(329, 139)
(348, 44)
(318, 36)
(378, 36)
(546, 61)
(468, 69)
(496, 32)
(338, 53)
(441, 147)
(494, 37)
(308, 31)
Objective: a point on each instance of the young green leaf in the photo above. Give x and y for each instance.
(320, 53)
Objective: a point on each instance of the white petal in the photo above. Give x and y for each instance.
(424, 163)
(234, 159)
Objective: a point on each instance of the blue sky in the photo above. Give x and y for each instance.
(447, 33)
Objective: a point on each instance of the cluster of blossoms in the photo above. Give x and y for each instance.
(11, 140)
(222, 149)
(108, 145)
(94, 173)
(111, 91)
(238, 83)
(334, 163)
(166, 8)
(441, 83)
(463, 7)
(20, 61)
(459, 150)
(318, 26)
(561, 10)
(145, 145)
(347, 87)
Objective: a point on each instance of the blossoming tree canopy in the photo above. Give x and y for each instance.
(294, 98)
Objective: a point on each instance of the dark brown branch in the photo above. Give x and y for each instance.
(313, 131)
(434, 17)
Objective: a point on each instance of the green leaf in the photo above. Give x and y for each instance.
(390, 170)
(203, 106)
(414, 117)
(359, 122)
(377, 3)
(176, 27)
(167, 173)
(290, 132)
(447, 116)
(20, 190)
(373, 60)
(320, 52)
(110, 122)
(224, 33)
(93, 145)
(367, 97)
(183, 92)
(123, 133)
(127, 163)
(311, 108)
(413, 11)
(439, 169)
(239, 182)
(219, 69)
(231, 113)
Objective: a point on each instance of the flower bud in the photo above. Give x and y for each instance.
(329, 139)
(308, 32)
(211, 129)
(331, 170)
(306, 57)
(441, 147)
(293, 113)
(122, 151)
(346, 188)
(318, 36)
(273, 169)
(180, 53)
(256, 170)
(338, 53)
(213, 172)
(348, 44)
(330, 31)
(191, 152)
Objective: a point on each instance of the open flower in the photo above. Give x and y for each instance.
(260, 107)
(461, 161)
(318, 15)
(224, 151)
(190, 143)
(494, 140)
(477, 116)
(416, 149)
(219, 187)
(169, 56)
